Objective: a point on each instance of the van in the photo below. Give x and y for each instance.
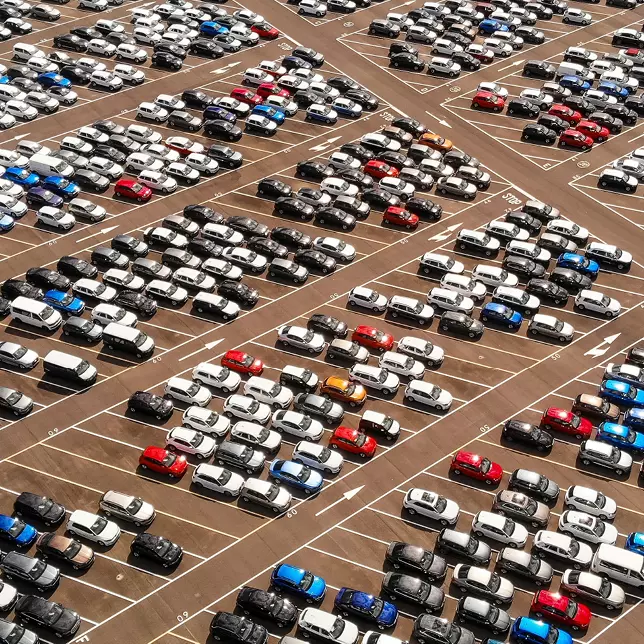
(621, 565)
(69, 367)
(11, 93)
(574, 69)
(47, 166)
(128, 339)
(35, 313)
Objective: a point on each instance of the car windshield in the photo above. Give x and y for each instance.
(72, 549)
(573, 550)
(600, 528)
(169, 459)
(338, 627)
(18, 353)
(99, 525)
(54, 613)
(17, 528)
(485, 466)
(558, 326)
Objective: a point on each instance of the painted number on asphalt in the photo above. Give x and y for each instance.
(555, 356)
(284, 45)
(183, 616)
(347, 24)
(512, 199)
(484, 428)
(387, 116)
(291, 513)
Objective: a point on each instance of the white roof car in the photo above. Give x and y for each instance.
(269, 392)
(101, 47)
(21, 110)
(222, 268)
(123, 279)
(143, 134)
(12, 207)
(129, 74)
(576, 17)
(138, 161)
(146, 35)
(202, 163)
(213, 375)
(428, 394)
(578, 553)
(255, 435)
(528, 249)
(91, 65)
(568, 229)
(272, 67)
(312, 8)
(152, 112)
(499, 47)
(324, 90)
(327, 626)
(308, 75)
(110, 25)
(232, 104)
(450, 300)
(292, 83)
(337, 248)
(187, 391)
(173, 38)
(550, 326)
(467, 237)
(194, 279)
(398, 187)
(157, 181)
(593, 588)
(243, 33)
(105, 167)
(246, 408)
(167, 290)
(287, 106)
(587, 527)
(262, 123)
(190, 441)
(591, 501)
(255, 76)
(245, 258)
(42, 65)
(422, 350)
(222, 233)
(401, 19)
(93, 527)
(446, 47)
(341, 159)
(431, 505)
(218, 479)
(336, 186)
(159, 151)
(77, 145)
(127, 507)
(107, 80)
(206, 421)
(91, 134)
(465, 285)
(374, 377)
(166, 237)
(367, 298)
(297, 424)
(318, 456)
(440, 65)
(18, 355)
(439, 262)
(347, 105)
(410, 307)
(321, 112)
(597, 302)
(105, 313)
(600, 96)
(380, 141)
(169, 102)
(499, 528)
(516, 298)
(265, 493)
(301, 338)
(85, 287)
(55, 218)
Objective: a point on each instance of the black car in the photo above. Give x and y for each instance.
(205, 48)
(314, 170)
(173, 54)
(353, 206)
(71, 42)
(295, 62)
(411, 125)
(5, 307)
(424, 208)
(357, 177)
(52, 616)
(271, 188)
(89, 180)
(439, 630)
(305, 98)
(533, 484)
(383, 27)
(247, 226)
(464, 546)
(523, 266)
(413, 590)
(328, 324)
(539, 69)
(622, 112)
(31, 570)
(527, 434)
(119, 38)
(182, 225)
(340, 6)
(27, 85)
(524, 220)
(628, 38)
(254, 601)
(335, 217)
(86, 33)
(186, 121)
(202, 214)
(82, 328)
(37, 506)
(234, 628)
(166, 60)
(46, 279)
(109, 152)
(299, 378)
(523, 108)
(223, 130)
(158, 549)
(16, 25)
(13, 288)
(457, 158)
(364, 98)
(406, 60)
(556, 244)
(358, 151)
(318, 406)
(465, 60)
(460, 323)
(310, 55)
(343, 84)
(380, 199)
(542, 211)
(205, 248)
(635, 356)
(345, 351)
(106, 258)
(294, 207)
(238, 455)
(267, 247)
(129, 245)
(396, 159)
(316, 260)
(603, 118)
(291, 237)
(544, 289)
(225, 156)
(579, 103)
(124, 143)
(145, 402)
(196, 98)
(238, 292)
(538, 133)
(75, 267)
(137, 302)
(570, 280)
(407, 556)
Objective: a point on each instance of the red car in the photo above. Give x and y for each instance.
(380, 169)
(242, 363)
(484, 54)
(560, 420)
(246, 96)
(268, 89)
(397, 216)
(574, 139)
(132, 189)
(565, 113)
(487, 101)
(476, 467)
(352, 441)
(371, 338)
(559, 608)
(596, 132)
(162, 461)
(264, 30)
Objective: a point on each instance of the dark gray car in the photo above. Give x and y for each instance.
(30, 570)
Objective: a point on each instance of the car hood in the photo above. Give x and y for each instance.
(7, 595)
(318, 588)
(552, 490)
(67, 621)
(451, 510)
(256, 459)
(506, 589)
(49, 577)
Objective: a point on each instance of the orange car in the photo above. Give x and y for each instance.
(436, 142)
(344, 390)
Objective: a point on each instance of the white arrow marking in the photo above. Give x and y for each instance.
(208, 345)
(345, 497)
(600, 349)
(326, 144)
(18, 137)
(514, 64)
(109, 229)
(222, 70)
(445, 234)
(441, 121)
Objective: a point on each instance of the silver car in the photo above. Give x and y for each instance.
(127, 507)
(456, 187)
(522, 507)
(483, 582)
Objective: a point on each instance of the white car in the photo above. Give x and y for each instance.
(367, 298)
(342, 160)
(242, 33)
(74, 144)
(318, 457)
(568, 229)
(206, 421)
(143, 134)
(246, 258)
(106, 80)
(55, 218)
(161, 152)
(105, 168)
(377, 378)
(144, 35)
(167, 291)
(93, 135)
(398, 187)
(307, 74)
(494, 276)
(172, 38)
(336, 248)
(591, 501)
(222, 268)
(323, 90)
(123, 279)
(254, 76)
(428, 394)
(431, 505)
(202, 163)
(42, 101)
(91, 65)
(216, 376)
(222, 234)
(194, 279)
(576, 553)
(450, 300)
(268, 392)
(499, 528)
(157, 181)
(444, 66)
(152, 112)
(311, 8)
(292, 83)
(239, 109)
(190, 441)
(301, 338)
(256, 122)
(296, 424)
(593, 588)
(610, 254)
(287, 106)
(21, 110)
(168, 102)
(336, 186)
(478, 240)
(582, 525)
(552, 327)
(187, 145)
(446, 47)
(85, 288)
(256, 436)
(493, 88)
(127, 507)
(218, 479)
(597, 302)
(187, 391)
(272, 67)
(576, 17)
(101, 47)
(498, 47)
(12, 207)
(422, 350)
(465, 285)
(93, 528)
(247, 408)
(377, 141)
(165, 237)
(106, 313)
(129, 74)
(132, 53)
(423, 35)
(437, 262)
(42, 65)
(401, 364)
(327, 626)
(633, 167)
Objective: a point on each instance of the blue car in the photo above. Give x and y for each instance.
(634, 418)
(299, 582)
(216, 113)
(270, 113)
(62, 187)
(296, 475)
(621, 436)
(578, 263)
(490, 25)
(4, 80)
(373, 609)
(295, 62)
(22, 177)
(635, 542)
(210, 28)
(64, 302)
(16, 531)
(532, 631)
(52, 79)
(502, 315)
(6, 223)
(575, 84)
(613, 89)
(621, 393)
(38, 197)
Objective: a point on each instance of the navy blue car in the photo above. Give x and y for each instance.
(38, 197)
(216, 113)
(372, 609)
